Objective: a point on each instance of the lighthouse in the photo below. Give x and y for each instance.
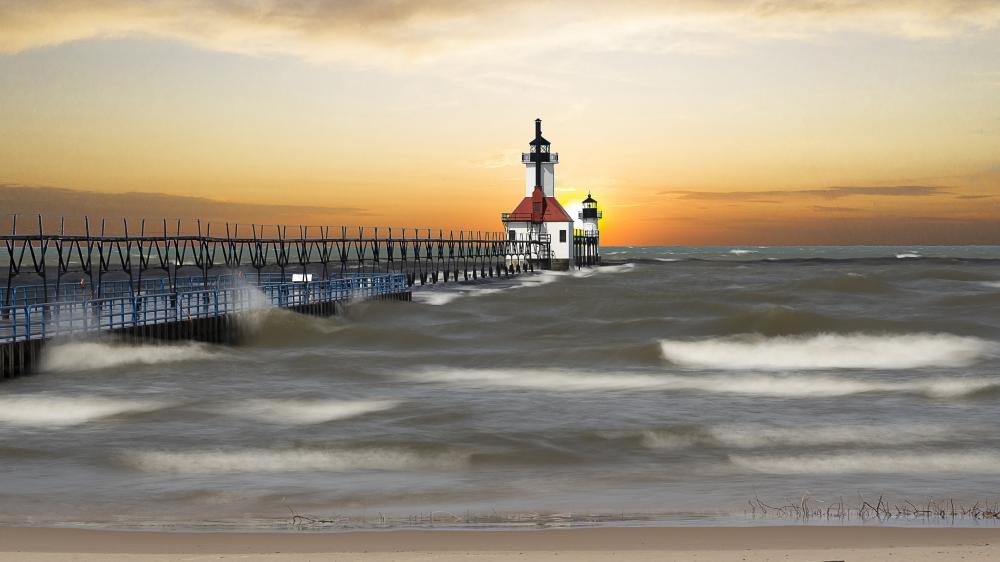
(589, 216)
(587, 239)
(539, 216)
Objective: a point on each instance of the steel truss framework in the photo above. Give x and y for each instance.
(586, 248)
(168, 248)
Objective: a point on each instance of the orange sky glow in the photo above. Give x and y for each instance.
(691, 121)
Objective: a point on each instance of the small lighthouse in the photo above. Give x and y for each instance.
(539, 216)
(589, 216)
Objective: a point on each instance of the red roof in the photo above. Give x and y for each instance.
(552, 211)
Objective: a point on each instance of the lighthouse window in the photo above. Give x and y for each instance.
(513, 235)
(562, 235)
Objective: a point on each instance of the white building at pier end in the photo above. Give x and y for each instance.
(539, 216)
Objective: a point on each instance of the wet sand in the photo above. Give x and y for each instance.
(846, 543)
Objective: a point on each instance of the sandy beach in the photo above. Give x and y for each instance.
(639, 544)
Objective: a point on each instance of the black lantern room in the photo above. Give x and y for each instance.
(589, 208)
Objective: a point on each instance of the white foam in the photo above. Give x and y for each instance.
(908, 255)
(81, 356)
(442, 297)
(255, 306)
(828, 351)
(756, 436)
(759, 384)
(289, 460)
(620, 268)
(992, 284)
(666, 440)
(873, 463)
(666, 259)
(303, 412)
(741, 252)
(60, 411)
(436, 298)
(556, 380)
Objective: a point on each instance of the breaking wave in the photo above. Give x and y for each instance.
(741, 252)
(873, 463)
(290, 460)
(83, 356)
(787, 386)
(436, 298)
(304, 412)
(275, 327)
(61, 411)
(908, 255)
(828, 351)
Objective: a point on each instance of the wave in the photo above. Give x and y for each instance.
(304, 412)
(756, 436)
(908, 255)
(557, 380)
(828, 351)
(763, 436)
(873, 463)
(950, 275)
(667, 259)
(236, 461)
(619, 268)
(442, 297)
(83, 356)
(778, 386)
(61, 411)
(992, 284)
(779, 320)
(851, 283)
(741, 252)
(436, 298)
(277, 327)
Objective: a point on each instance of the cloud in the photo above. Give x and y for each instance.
(54, 202)
(395, 32)
(824, 209)
(835, 192)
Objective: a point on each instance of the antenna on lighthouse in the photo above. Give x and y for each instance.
(537, 149)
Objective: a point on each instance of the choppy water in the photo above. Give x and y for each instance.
(678, 381)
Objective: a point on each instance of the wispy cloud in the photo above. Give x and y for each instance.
(835, 192)
(392, 31)
(825, 209)
(53, 202)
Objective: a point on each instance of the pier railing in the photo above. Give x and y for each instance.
(44, 320)
(62, 256)
(107, 276)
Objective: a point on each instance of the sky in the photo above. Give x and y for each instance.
(692, 121)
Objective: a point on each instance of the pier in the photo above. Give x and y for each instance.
(192, 281)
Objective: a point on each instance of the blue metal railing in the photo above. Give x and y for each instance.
(23, 295)
(84, 315)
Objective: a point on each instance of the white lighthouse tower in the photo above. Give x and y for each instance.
(587, 239)
(589, 216)
(539, 216)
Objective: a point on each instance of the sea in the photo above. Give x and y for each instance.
(673, 385)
